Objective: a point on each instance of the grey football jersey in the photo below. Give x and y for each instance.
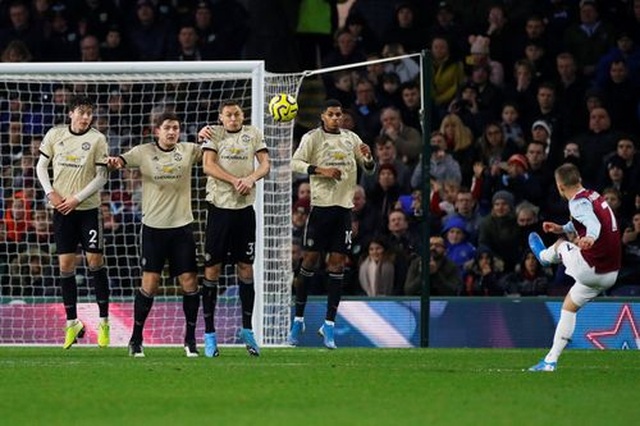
(75, 159)
(342, 151)
(166, 182)
(236, 154)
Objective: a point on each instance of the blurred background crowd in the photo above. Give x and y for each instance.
(518, 88)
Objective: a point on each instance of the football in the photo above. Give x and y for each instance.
(283, 107)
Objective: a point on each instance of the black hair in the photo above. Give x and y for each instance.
(79, 101)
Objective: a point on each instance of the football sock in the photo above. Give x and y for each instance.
(141, 307)
(562, 337)
(209, 299)
(303, 280)
(69, 294)
(335, 292)
(101, 286)
(190, 305)
(247, 296)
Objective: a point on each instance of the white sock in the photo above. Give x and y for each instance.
(104, 320)
(298, 319)
(550, 255)
(564, 332)
(71, 323)
(329, 323)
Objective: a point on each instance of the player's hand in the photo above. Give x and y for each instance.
(585, 242)
(366, 152)
(68, 205)
(114, 163)
(55, 199)
(245, 185)
(552, 227)
(330, 172)
(206, 133)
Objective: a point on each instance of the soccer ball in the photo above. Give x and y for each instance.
(283, 107)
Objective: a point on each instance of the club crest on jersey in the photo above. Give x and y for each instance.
(245, 138)
(86, 146)
(177, 157)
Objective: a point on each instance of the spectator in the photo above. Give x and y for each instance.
(367, 111)
(589, 38)
(187, 46)
(150, 36)
(115, 47)
(483, 274)
(448, 75)
(90, 49)
(625, 50)
(459, 143)
(366, 223)
(479, 57)
(62, 44)
(459, 249)
(21, 28)
(389, 93)
(386, 153)
(511, 127)
(443, 166)
(405, 29)
(407, 140)
(490, 96)
(411, 105)
(403, 244)
(16, 51)
(595, 144)
(444, 276)
(623, 95)
(386, 192)
(499, 230)
(376, 272)
(528, 279)
(466, 209)
(406, 68)
(366, 39)
(570, 91)
(222, 28)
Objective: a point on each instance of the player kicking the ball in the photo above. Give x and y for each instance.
(592, 257)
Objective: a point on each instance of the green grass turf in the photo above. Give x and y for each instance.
(296, 386)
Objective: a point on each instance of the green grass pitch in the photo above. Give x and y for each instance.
(299, 386)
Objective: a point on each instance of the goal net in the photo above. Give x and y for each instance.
(128, 97)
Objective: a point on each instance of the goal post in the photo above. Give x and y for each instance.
(128, 96)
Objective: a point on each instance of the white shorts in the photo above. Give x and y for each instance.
(589, 283)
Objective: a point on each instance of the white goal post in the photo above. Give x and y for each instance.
(128, 96)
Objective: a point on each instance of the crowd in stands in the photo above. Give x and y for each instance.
(518, 88)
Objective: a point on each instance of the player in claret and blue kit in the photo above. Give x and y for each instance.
(592, 255)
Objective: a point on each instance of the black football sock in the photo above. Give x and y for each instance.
(190, 305)
(335, 292)
(101, 286)
(69, 294)
(247, 296)
(303, 281)
(141, 307)
(209, 300)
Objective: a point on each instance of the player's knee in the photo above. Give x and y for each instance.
(212, 273)
(188, 282)
(245, 272)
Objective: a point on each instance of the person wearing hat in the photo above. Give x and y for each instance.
(459, 249)
(499, 229)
